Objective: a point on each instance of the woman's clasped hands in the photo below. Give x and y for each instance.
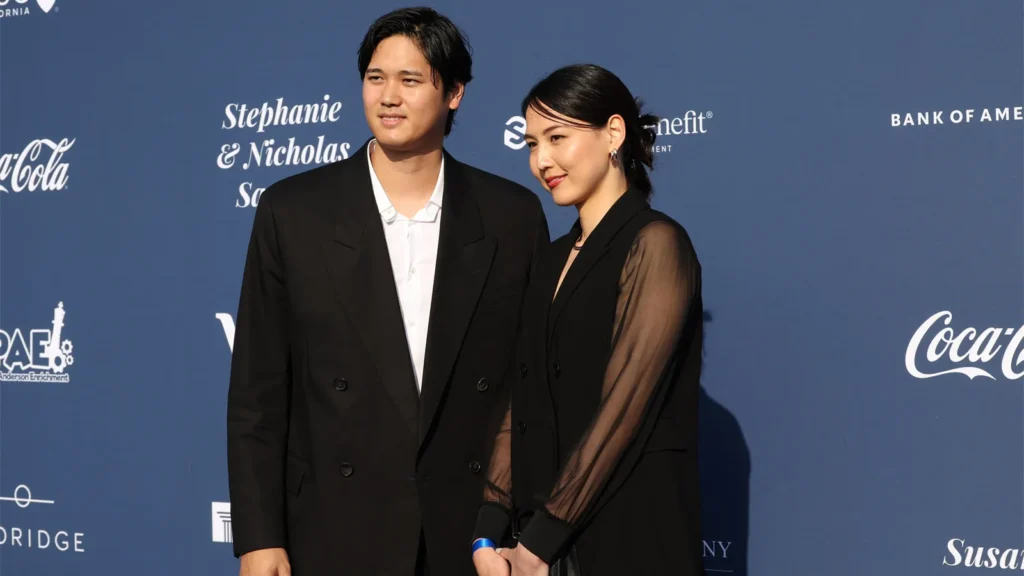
(516, 561)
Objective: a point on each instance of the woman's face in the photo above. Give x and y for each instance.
(570, 162)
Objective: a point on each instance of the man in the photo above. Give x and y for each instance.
(378, 308)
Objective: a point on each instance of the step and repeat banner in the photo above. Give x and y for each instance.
(851, 174)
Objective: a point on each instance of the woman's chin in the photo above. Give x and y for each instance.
(563, 197)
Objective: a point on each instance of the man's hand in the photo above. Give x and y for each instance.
(266, 562)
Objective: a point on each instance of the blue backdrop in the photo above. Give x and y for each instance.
(847, 171)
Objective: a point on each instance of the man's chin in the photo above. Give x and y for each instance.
(397, 138)
(395, 141)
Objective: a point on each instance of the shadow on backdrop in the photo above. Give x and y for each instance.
(724, 460)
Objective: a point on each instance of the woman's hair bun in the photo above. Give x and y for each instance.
(646, 132)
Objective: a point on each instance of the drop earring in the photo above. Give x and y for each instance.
(615, 156)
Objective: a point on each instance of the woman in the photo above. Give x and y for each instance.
(594, 471)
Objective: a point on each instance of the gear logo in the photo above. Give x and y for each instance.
(44, 357)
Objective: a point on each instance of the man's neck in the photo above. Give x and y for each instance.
(408, 178)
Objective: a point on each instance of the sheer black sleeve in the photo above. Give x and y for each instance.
(657, 289)
(494, 515)
(499, 474)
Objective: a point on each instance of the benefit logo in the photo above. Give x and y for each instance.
(979, 350)
(691, 123)
(266, 151)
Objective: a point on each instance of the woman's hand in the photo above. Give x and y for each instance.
(490, 562)
(524, 562)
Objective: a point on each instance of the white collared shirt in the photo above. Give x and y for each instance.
(412, 244)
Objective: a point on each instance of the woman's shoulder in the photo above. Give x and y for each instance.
(659, 233)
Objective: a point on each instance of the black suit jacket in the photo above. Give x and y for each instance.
(332, 452)
(601, 433)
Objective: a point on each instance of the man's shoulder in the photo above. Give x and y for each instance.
(302, 187)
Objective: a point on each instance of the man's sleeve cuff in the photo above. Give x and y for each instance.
(493, 521)
(545, 535)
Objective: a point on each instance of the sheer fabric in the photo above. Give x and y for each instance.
(499, 475)
(657, 285)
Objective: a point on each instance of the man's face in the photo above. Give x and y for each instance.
(404, 108)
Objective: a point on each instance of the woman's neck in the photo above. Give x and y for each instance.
(597, 204)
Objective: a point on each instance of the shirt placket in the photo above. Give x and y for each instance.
(412, 273)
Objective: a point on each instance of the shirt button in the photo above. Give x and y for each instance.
(413, 271)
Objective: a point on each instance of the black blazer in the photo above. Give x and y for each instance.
(602, 425)
(332, 453)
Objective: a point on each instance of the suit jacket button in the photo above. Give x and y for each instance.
(346, 469)
(522, 370)
(340, 384)
(522, 427)
(474, 466)
(481, 385)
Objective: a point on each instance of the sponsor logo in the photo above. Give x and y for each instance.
(37, 538)
(692, 123)
(29, 170)
(689, 124)
(968, 346)
(960, 554)
(958, 116)
(515, 129)
(14, 8)
(220, 517)
(227, 322)
(716, 556)
(43, 357)
(274, 152)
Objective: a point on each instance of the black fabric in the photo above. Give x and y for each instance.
(332, 452)
(607, 361)
(494, 522)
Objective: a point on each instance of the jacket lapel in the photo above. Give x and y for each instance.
(464, 256)
(535, 338)
(596, 246)
(359, 264)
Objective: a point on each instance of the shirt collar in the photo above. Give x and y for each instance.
(387, 210)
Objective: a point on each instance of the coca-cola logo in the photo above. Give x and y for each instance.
(29, 170)
(968, 346)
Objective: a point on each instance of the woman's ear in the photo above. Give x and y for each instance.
(616, 129)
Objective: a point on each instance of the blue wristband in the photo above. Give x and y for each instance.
(482, 543)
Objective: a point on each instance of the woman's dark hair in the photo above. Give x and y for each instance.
(589, 95)
(444, 46)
